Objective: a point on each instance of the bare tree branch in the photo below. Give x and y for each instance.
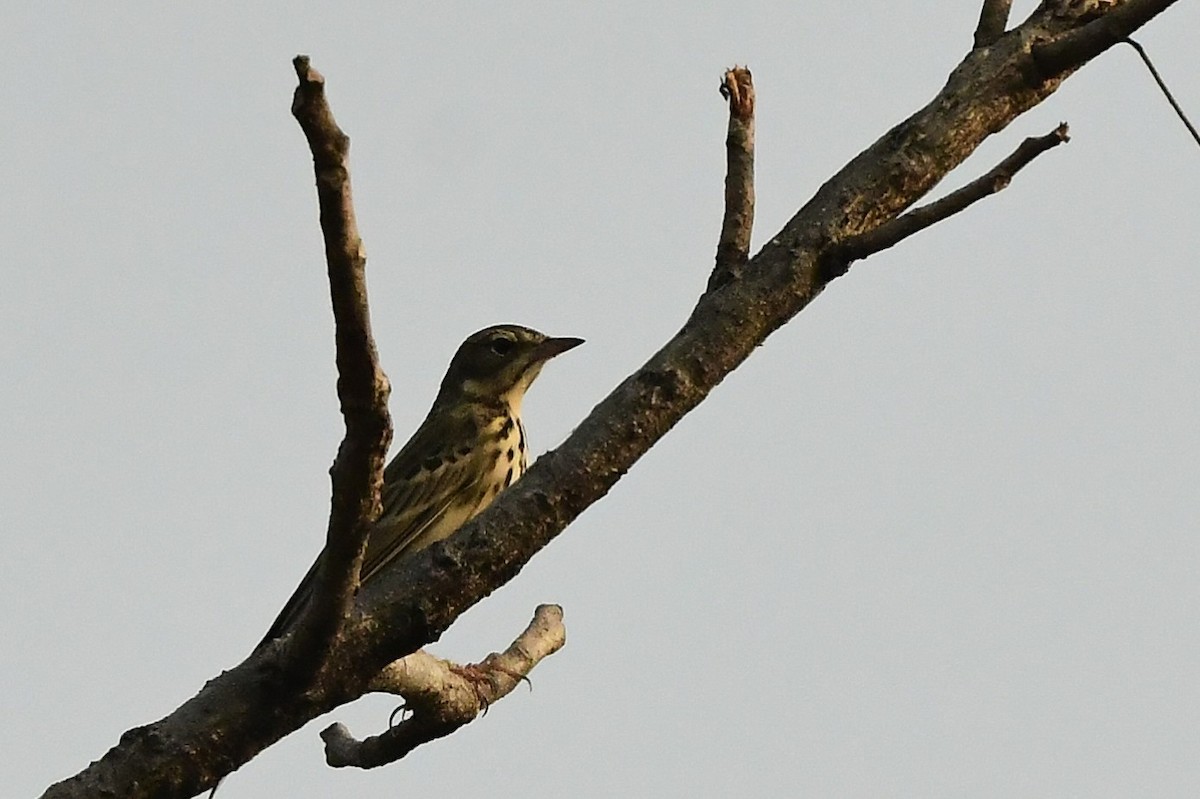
(443, 697)
(891, 233)
(733, 247)
(993, 19)
(983, 94)
(1079, 45)
(363, 389)
(356, 475)
(248, 708)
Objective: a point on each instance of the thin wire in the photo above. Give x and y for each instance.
(1162, 85)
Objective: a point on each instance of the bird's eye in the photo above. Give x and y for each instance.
(502, 346)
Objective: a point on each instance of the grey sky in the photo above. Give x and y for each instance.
(937, 538)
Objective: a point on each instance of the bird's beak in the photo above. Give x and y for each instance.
(556, 346)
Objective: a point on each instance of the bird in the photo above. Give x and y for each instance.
(470, 447)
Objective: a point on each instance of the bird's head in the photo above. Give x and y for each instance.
(498, 364)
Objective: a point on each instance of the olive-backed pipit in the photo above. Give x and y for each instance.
(470, 447)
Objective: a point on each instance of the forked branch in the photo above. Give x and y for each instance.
(733, 247)
(1081, 44)
(441, 697)
(897, 230)
(245, 709)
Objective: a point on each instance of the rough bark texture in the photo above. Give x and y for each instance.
(441, 697)
(897, 230)
(243, 710)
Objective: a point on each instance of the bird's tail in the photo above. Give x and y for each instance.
(291, 609)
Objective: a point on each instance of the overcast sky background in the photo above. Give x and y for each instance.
(937, 538)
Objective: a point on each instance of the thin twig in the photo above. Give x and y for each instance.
(1163, 85)
(891, 233)
(993, 19)
(733, 247)
(443, 697)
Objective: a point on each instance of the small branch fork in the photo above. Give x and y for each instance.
(897, 230)
(442, 696)
(1072, 50)
(733, 247)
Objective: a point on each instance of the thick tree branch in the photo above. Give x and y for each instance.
(892, 233)
(357, 472)
(443, 697)
(733, 247)
(993, 18)
(1078, 45)
(412, 604)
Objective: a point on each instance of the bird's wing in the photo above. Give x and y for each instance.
(439, 466)
(437, 472)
